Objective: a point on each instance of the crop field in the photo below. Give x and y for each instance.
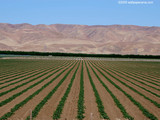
(79, 89)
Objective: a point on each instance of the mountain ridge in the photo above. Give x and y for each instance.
(70, 38)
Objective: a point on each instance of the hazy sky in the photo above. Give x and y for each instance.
(88, 12)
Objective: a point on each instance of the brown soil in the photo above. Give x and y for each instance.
(107, 100)
(147, 104)
(7, 107)
(48, 109)
(89, 99)
(128, 105)
(70, 108)
(151, 96)
(12, 86)
(24, 87)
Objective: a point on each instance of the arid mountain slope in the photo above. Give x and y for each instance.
(117, 39)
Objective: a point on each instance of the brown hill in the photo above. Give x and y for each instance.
(117, 39)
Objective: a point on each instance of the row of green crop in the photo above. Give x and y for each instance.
(11, 71)
(25, 90)
(11, 80)
(37, 73)
(57, 113)
(81, 106)
(138, 76)
(133, 82)
(19, 105)
(113, 71)
(144, 110)
(20, 75)
(100, 106)
(133, 89)
(151, 72)
(14, 72)
(25, 83)
(141, 75)
(49, 95)
(117, 102)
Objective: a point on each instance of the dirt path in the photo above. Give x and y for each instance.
(128, 105)
(70, 108)
(130, 75)
(24, 87)
(11, 104)
(147, 104)
(47, 112)
(37, 71)
(141, 81)
(89, 99)
(12, 86)
(107, 100)
(137, 88)
(151, 96)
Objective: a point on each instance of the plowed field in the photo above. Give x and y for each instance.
(48, 89)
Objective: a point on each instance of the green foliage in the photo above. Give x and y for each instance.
(16, 107)
(25, 90)
(58, 111)
(79, 54)
(152, 101)
(49, 95)
(113, 71)
(81, 106)
(144, 111)
(103, 114)
(119, 105)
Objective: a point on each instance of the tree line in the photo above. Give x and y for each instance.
(78, 54)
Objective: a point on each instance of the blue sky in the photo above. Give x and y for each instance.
(85, 12)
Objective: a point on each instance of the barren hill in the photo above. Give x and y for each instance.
(117, 39)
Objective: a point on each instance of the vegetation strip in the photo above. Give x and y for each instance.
(142, 76)
(21, 76)
(17, 106)
(144, 111)
(22, 79)
(13, 72)
(117, 102)
(100, 106)
(133, 89)
(137, 86)
(49, 95)
(16, 87)
(26, 78)
(81, 106)
(133, 74)
(130, 76)
(18, 75)
(57, 113)
(25, 90)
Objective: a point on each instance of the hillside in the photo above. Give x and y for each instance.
(117, 39)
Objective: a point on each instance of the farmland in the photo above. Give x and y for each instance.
(79, 89)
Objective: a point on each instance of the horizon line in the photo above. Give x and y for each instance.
(81, 24)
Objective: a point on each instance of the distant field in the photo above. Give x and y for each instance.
(79, 88)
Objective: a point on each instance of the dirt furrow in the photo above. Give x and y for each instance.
(47, 112)
(147, 104)
(110, 108)
(70, 107)
(128, 105)
(8, 106)
(91, 110)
